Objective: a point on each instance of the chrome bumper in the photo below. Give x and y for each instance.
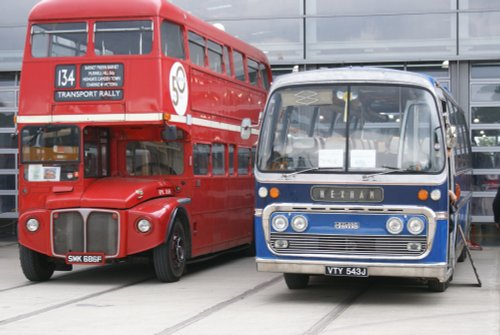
(437, 270)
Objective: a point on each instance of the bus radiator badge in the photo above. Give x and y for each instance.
(346, 225)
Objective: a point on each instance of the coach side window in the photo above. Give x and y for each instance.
(215, 56)
(172, 40)
(239, 69)
(196, 49)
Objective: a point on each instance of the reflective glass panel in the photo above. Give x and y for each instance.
(337, 7)
(482, 206)
(367, 37)
(486, 182)
(7, 99)
(479, 33)
(7, 78)
(7, 203)
(484, 71)
(485, 137)
(8, 161)
(217, 9)
(485, 114)
(479, 4)
(8, 182)
(7, 120)
(485, 92)
(280, 39)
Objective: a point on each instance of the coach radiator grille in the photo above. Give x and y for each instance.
(85, 231)
(315, 244)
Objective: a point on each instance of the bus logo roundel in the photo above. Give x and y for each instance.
(178, 88)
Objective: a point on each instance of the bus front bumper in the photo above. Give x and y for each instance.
(434, 270)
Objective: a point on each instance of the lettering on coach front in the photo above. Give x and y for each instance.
(347, 194)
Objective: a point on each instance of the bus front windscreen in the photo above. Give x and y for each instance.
(50, 144)
(351, 128)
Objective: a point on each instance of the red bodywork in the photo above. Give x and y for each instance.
(217, 209)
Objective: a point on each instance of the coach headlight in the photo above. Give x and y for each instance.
(32, 225)
(144, 225)
(299, 223)
(280, 223)
(415, 226)
(394, 225)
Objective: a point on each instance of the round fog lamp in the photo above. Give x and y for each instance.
(415, 226)
(394, 225)
(299, 223)
(144, 225)
(32, 225)
(280, 223)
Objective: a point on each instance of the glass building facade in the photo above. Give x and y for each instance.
(456, 41)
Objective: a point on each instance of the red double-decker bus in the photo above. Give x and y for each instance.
(134, 136)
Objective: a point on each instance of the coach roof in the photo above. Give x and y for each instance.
(355, 75)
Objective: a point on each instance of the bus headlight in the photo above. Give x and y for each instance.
(144, 225)
(415, 226)
(263, 192)
(280, 223)
(299, 223)
(32, 225)
(436, 195)
(394, 225)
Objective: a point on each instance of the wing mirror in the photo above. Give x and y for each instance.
(451, 136)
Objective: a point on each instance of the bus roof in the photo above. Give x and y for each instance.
(355, 75)
(50, 10)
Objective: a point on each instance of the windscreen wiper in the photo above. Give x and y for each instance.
(288, 175)
(389, 169)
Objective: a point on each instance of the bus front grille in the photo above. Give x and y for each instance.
(85, 231)
(348, 245)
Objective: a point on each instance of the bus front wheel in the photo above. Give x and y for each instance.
(170, 258)
(296, 281)
(35, 266)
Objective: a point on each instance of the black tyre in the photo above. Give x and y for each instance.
(463, 255)
(435, 285)
(169, 258)
(296, 281)
(35, 266)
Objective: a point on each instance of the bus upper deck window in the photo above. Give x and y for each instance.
(253, 68)
(239, 69)
(59, 39)
(215, 56)
(263, 75)
(172, 40)
(123, 37)
(196, 49)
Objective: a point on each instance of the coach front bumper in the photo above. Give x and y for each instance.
(435, 270)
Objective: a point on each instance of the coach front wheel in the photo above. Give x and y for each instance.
(296, 281)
